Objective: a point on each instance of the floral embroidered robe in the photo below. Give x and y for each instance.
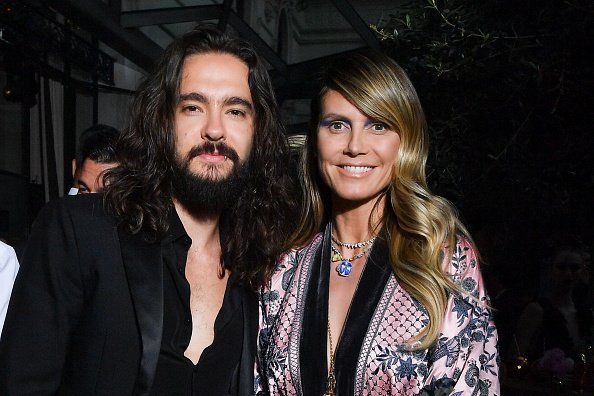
(371, 358)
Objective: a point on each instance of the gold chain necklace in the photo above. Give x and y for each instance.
(331, 381)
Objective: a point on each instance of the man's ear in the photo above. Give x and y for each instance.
(73, 167)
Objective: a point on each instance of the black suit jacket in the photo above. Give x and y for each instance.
(86, 313)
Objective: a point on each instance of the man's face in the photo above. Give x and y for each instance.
(215, 107)
(89, 178)
(214, 129)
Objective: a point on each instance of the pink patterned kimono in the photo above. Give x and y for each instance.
(371, 357)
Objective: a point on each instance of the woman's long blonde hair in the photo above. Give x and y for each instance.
(418, 223)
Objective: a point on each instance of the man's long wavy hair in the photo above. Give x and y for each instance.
(418, 223)
(139, 191)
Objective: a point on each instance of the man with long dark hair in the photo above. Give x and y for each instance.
(147, 289)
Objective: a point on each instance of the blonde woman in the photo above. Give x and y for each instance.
(384, 295)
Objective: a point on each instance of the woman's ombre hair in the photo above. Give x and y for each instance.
(418, 223)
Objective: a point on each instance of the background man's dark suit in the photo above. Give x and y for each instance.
(94, 304)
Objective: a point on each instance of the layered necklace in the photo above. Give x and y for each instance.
(345, 265)
(344, 268)
(331, 380)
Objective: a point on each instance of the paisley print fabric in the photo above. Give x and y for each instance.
(463, 361)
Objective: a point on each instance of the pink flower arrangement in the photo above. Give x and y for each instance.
(554, 362)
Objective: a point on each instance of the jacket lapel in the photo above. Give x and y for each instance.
(144, 271)
(248, 353)
(314, 328)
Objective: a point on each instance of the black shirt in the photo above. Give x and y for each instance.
(216, 371)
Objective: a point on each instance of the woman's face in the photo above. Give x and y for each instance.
(356, 155)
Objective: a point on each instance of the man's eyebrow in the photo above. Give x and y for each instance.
(193, 96)
(230, 101)
(236, 100)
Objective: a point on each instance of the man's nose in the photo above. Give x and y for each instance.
(214, 129)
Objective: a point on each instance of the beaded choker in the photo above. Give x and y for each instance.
(353, 245)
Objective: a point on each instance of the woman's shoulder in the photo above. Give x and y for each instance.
(313, 243)
(287, 263)
(295, 253)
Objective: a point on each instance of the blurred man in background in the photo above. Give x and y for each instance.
(95, 154)
(9, 267)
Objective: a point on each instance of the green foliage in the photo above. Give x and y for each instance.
(508, 88)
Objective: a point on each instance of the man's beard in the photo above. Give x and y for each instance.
(208, 192)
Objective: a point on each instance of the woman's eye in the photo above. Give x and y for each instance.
(337, 126)
(379, 127)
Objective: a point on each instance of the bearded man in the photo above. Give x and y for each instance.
(147, 289)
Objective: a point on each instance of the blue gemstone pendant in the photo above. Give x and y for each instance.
(344, 268)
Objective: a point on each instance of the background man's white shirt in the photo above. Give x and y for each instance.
(9, 266)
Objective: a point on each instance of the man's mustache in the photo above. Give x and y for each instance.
(210, 148)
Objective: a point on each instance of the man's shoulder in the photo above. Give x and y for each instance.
(83, 203)
(86, 211)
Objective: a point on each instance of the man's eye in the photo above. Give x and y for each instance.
(191, 109)
(236, 113)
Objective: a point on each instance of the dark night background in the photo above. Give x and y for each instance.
(508, 90)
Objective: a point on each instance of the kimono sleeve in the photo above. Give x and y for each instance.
(270, 298)
(465, 358)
